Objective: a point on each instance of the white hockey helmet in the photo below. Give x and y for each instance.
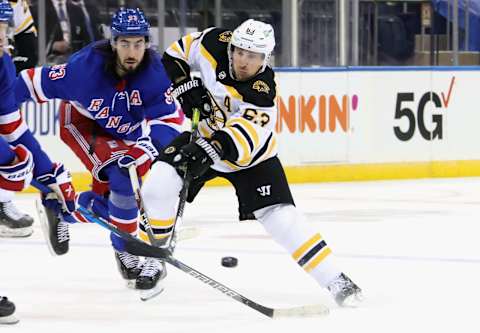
(255, 36)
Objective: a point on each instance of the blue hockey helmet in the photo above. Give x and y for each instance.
(6, 11)
(129, 22)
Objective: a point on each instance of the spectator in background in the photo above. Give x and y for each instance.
(69, 27)
(91, 18)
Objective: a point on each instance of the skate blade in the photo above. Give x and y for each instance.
(146, 295)
(6, 232)
(9, 320)
(42, 216)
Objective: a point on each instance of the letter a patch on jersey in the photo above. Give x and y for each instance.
(135, 98)
(264, 190)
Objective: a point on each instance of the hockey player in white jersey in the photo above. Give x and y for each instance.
(23, 37)
(236, 97)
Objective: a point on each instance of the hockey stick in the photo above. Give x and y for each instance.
(180, 235)
(187, 178)
(136, 246)
(140, 248)
(132, 171)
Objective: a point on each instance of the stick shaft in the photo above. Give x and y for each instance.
(132, 171)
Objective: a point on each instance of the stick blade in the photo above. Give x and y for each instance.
(313, 310)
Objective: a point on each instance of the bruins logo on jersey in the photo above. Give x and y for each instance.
(261, 86)
(225, 36)
(217, 118)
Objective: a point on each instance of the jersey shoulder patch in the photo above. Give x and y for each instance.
(260, 90)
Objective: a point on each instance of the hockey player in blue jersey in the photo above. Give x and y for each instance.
(116, 111)
(21, 156)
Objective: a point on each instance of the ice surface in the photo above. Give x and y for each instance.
(413, 246)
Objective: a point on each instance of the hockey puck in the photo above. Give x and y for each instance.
(229, 261)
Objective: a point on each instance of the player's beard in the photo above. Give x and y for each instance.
(125, 68)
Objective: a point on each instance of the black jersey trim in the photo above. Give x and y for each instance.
(180, 42)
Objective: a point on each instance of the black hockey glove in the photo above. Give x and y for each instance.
(192, 94)
(196, 157)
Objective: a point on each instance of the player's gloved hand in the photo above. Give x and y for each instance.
(198, 156)
(17, 176)
(142, 154)
(192, 94)
(62, 197)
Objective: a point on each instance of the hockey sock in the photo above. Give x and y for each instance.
(160, 195)
(288, 227)
(122, 206)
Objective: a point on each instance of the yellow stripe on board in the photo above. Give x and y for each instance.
(345, 172)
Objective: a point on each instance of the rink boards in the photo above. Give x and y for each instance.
(352, 124)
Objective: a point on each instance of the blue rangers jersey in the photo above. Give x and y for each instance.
(12, 127)
(127, 108)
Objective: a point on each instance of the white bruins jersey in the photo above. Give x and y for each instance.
(22, 18)
(246, 110)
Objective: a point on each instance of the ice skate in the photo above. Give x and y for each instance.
(129, 267)
(56, 231)
(148, 282)
(345, 292)
(7, 311)
(14, 223)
